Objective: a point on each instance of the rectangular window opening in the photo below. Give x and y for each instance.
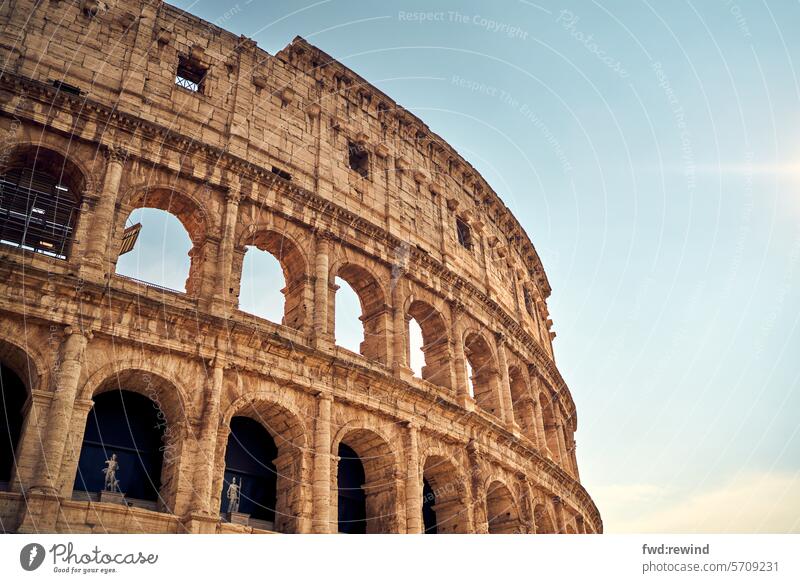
(190, 75)
(358, 159)
(282, 173)
(464, 234)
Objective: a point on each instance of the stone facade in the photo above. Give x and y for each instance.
(299, 156)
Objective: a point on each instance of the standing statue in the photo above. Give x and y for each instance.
(110, 471)
(233, 496)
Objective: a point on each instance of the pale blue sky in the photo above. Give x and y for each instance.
(651, 151)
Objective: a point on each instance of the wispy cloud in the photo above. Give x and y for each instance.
(749, 503)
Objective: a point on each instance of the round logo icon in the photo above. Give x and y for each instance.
(31, 556)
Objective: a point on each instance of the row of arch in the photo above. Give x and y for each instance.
(416, 335)
(264, 445)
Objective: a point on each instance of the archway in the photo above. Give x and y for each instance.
(13, 394)
(272, 258)
(429, 522)
(444, 497)
(522, 403)
(352, 500)
(250, 459)
(435, 343)
(372, 306)
(543, 520)
(550, 427)
(128, 425)
(365, 448)
(161, 255)
(271, 450)
(40, 193)
(502, 514)
(192, 219)
(483, 372)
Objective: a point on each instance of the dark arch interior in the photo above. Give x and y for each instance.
(250, 457)
(352, 499)
(39, 201)
(13, 393)
(428, 513)
(127, 424)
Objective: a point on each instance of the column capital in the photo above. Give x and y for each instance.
(232, 196)
(115, 153)
(456, 306)
(323, 234)
(325, 396)
(70, 330)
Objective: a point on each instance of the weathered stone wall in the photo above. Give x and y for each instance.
(130, 137)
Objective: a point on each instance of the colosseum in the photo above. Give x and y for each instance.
(109, 107)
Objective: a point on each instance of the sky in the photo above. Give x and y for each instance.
(651, 151)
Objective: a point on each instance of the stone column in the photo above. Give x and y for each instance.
(538, 420)
(72, 355)
(399, 340)
(207, 442)
(558, 506)
(459, 358)
(103, 221)
(322, 465)
(530, 504)
(480, 520)
(321, 290)
(580, 524)
(538, 414)
(31, 437)
(413, 483)
(224, 280)
(505, 383)
(573, 445)
(562, 446)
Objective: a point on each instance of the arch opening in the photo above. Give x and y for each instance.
(128, 425)
(522, 403)
(429, 348)
(502, 514)
(273, 281)
(250, 460)
(364, 448)
(13, 394)
(444, 497)
(350, 482)
(544, 522)
(550, 427)
(161, 255)
(162, 241)
(348, 329)
(265, 448)
(483, 374)
(429, 525)
(40, 194)
(370, 307)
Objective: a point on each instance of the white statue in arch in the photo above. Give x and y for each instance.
(234, 491)
(110, 471)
